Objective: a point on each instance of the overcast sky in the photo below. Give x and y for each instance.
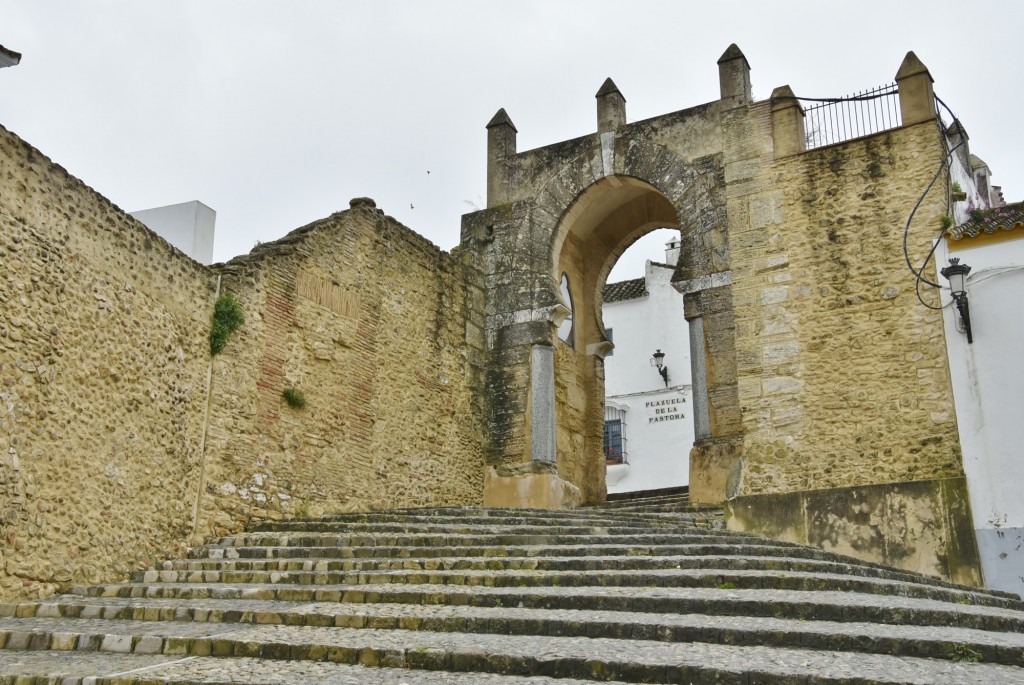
(277, 113)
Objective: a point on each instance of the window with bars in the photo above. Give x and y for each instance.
(614, 444)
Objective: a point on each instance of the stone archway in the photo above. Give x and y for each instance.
(603, 221)
(571, 209)
(549, 437)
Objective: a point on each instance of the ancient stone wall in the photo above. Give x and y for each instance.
(842, 373)
(103, 361)
(123, 441)
(367, 320)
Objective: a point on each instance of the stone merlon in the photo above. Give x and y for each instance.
(611, 107)
(734, 76)
(501, 118)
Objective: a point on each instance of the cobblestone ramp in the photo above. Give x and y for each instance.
(639, 590)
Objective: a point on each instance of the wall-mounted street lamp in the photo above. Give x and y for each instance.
(658, 360)
(956, 274)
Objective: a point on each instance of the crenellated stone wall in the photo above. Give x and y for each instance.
(123, 441)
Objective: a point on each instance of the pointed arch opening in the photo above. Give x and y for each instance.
(594, 232)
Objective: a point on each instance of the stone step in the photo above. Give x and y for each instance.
(701, 515)
(597, 510)
(641, 502)
(675, 598)
(530, 518)
(507, 596)
(510, 552)
(544, 559)
(710, 545)
(908, 640)
(486, 539)
(676, 490)
(710, 577)
(596, 658)
(776, 559)
(667, 504)
(393, 558)
(111, 668)
(460, 528)
(595, 570)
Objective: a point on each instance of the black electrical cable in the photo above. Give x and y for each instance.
(854, 98)
(917, 205)
(917, 291)
(946, 107)
(918, 273)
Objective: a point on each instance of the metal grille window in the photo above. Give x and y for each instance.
(613, 442)
(615, 451)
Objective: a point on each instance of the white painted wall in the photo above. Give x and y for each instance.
(988, 388)
(188, 226)
(659, 419)
(639, 328)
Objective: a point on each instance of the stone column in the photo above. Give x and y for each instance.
(699, 380)
(542, 403)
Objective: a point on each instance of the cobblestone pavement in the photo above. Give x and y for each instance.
(514, 598)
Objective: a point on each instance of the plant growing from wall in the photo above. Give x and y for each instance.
(294, 397)
(946, 221)
(227, 317)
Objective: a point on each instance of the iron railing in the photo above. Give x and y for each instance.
(835, 120)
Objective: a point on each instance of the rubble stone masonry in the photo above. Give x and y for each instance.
(122, 441)
(103, 358)
(842, 372)
(367, 320)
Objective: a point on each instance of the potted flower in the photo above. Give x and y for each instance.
(958, 194)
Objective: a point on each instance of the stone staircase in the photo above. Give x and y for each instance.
(645, 590)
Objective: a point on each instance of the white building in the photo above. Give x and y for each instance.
(988, 374)
(188, 226)
(648, 415)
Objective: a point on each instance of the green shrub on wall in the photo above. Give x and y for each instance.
(227, 316)
(294, 397)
